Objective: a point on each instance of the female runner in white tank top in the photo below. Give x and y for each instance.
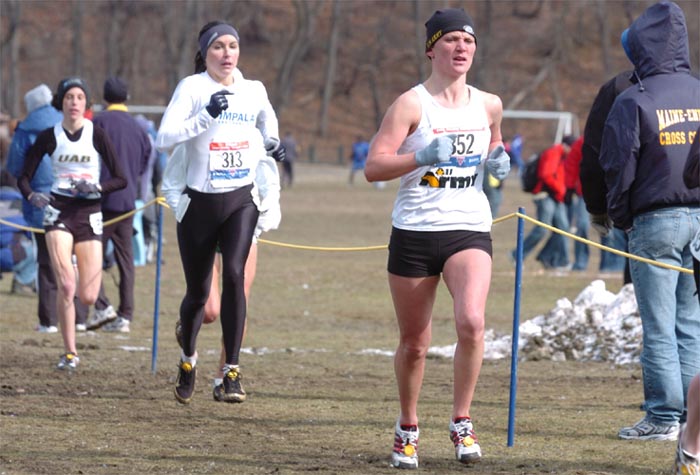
(217, 118)
(73, 212)
(440, 138)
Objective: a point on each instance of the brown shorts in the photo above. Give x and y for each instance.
(80, 217)
(424, 253)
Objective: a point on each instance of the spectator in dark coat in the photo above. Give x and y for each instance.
(133, 149)
(647, 140)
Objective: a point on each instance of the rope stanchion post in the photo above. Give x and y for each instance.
(156, 304)
(516, 328)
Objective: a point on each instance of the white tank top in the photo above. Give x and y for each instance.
(74, 161)
(447, 196)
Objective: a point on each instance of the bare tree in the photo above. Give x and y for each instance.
(374, 70)
(306, 14)
(520, 9)
(419, 20)
(483, 30)
(117, 16)
(77, 25)
(177, 29)
(10, 56)
(604, 29)
(332, 60)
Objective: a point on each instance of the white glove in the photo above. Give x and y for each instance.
(270, 218)
(439, 150)
(498, 163)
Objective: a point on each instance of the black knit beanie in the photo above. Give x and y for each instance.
(116, 90)
(64, 86)
(445, 21)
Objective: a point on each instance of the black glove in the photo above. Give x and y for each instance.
(601, 223)
(40, 200)
(217, 103)
(279, 154)
(569, 196)
(83, 188)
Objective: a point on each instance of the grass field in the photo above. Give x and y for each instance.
(316, 403)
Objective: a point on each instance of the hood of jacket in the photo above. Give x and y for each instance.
(658, 41)
(40, 119)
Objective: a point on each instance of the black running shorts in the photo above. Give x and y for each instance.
(80, 217)
(424, 253)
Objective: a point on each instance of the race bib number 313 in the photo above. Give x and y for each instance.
(228, 163)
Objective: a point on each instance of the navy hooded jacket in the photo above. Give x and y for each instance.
(650, 128)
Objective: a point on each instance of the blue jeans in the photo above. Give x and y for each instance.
(668, 307)
(609, 262)
(555, 252)
(578, 216)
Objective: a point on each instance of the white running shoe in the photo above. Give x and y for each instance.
(467, 448)
(645, 429)
(48, 329)
(101, 317)
(80, 327)
(68, 361)
(120, 325)
(405, 453)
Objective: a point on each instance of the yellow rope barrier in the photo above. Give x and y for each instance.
(161, 201)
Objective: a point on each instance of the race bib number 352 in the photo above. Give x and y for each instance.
(228, 163)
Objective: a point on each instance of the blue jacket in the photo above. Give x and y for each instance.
(37, 121)
(650, 128)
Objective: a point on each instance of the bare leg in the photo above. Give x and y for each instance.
(60, 247)
(691, 435)
(468, 276)
(413, 303)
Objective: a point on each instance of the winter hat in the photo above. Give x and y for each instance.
(40, 96)
(115, 90)
(64, 86)
(445, 21)
(568, 140)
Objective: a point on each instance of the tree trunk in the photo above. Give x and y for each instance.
(604, 28)
(419, 21)
(117, 16)
(77, 53)
(306, 13)
(178, 30)
(332, 60)
(9, 100)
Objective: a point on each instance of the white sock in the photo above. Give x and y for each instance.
(189, 359)
(229, 367)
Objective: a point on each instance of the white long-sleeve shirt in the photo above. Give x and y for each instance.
(266, 190)
(222, 153)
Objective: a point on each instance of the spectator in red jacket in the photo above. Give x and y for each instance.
(576, 207)
(549, 197)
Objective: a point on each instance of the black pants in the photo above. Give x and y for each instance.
(226, 219)
(121, 233)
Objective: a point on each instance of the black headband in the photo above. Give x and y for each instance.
(208, 37)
